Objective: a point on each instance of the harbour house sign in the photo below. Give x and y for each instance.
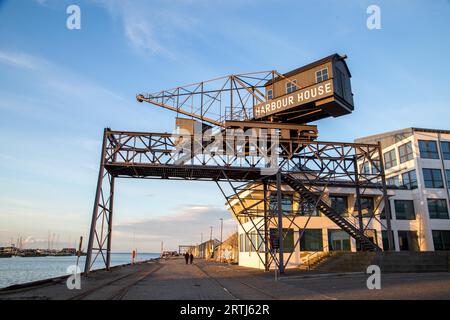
(296, 98)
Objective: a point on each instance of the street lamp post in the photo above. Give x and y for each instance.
(221, 233)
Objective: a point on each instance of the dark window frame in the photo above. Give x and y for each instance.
(392, 161)
(444, 238)
(428, 149)
(436, 211)
(342, 211)
(322, 75)
(407, 215)
(291, 87)
(445, 150)
(408, 152)
(431, 179)
(314, 235)
(412, 183)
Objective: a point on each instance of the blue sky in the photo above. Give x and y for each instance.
(59, 88)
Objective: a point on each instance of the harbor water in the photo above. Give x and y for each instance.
(18, 270)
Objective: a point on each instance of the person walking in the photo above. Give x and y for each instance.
(186, 257)
(191, 258)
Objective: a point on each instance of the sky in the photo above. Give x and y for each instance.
(59, 88)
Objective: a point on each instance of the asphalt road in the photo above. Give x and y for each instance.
(172, 279)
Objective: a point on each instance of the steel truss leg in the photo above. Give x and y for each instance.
(100, 236)
(280, 224)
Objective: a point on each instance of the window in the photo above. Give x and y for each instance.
(322, 75)
(437, 208)
(286, 202)
(433, 178)
(409, 179)
(390, 159)
(288, 238)
(311, 240)
(384, 236)
(365, 168)
(405, 151)
(338, 240)
(404, 210)
(447, 173)
(445, 147)
(367, 206)
(291, 86)
(383, 212)
(441, 240)
(241, 242)
(393, 181)
(428, 149)
(308, 209)
(269, 94)
(408, 241)
(339, 204)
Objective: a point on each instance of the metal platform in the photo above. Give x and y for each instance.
(314, 165)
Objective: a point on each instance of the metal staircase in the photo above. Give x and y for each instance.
(297, 185)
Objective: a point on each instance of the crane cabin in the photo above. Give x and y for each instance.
(315, 91)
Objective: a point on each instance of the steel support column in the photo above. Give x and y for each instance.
(101, 223)
(280, 224)
(358, 200)
(110, 213)
(266, 229)
(387, 207)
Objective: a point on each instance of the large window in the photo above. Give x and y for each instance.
(433, 178)
(291, 86)
(409, 179)
(408, 240)
(428, 149)
(437, 208)
(339, 204)
(384, 236)
(288, 238)
(404, 210)
(311, 240)
(308, 209)
(441, 240)
(445, 147)
(393, 181)
(338, 240)
(405, 151)
(286, 202)
(390, 159)
(322, 75)
(367, 206)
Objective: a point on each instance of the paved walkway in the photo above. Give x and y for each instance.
(172, 279)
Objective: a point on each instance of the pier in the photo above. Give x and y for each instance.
(172, 279)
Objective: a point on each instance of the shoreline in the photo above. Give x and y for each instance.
(50, 281)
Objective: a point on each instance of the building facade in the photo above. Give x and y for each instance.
(417, 162)
(417, 167)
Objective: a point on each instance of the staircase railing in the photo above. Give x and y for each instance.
(325, 208)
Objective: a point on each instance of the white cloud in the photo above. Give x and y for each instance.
(22, 60)
(152, 29)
